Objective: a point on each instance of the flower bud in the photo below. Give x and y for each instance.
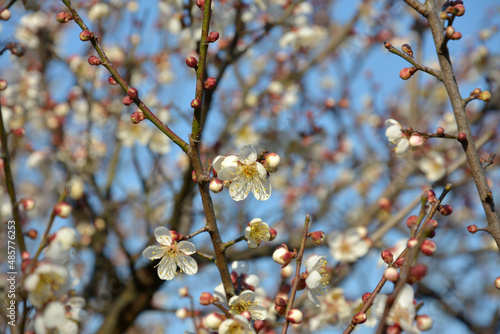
(440, 131)
(416, 140)
(192, 62)
(443, 15)
(431, 196)
(28, 204)
(213, 321)
(365, 297)
(412, 221)
(407, 72)
(385, 204)
(399, 262)
(449, 31)
(387, 256)
(5, 14)
(445, 210)
(25, 255)
(282, 256)
(112, 81)
(359, 318)
(133, 93)
(210, 83)
(184, 291)
(295, 316)
(3, 84)
(259, 325)
(272, 162)
(412, 242)
(317, 237)
(86, 35)
(394, 329)
(456, 36)
(428, 247)
(127, 100)
(472, 229)
(137, 117)
(387, 45)
(196, 104)
(193, 177)
(32, 234)
(212, 37)
(273, 234)
(286, 272)
(182, 313)
(485, 96)
(391, 274)
(497, 282)
(406, 48)
(19, 132)
(462, 137)
(200, 4)
(61, 17)
(458, 10)
(280, 305)
(62, 209)
(424, 322)
(176, 236)
(206, 298)
(94, 61)
(216, 185)
(417, 272)
(430, 226)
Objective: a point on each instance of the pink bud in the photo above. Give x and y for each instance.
(19, 132)
(428, 247)
(210, 83)
(424, 322)
(112, 81)
(273, 234)
(196, 104)
(417, 272)
(137, 117)
(176, 236)
(280, 305)
(216, 186)
(458, 10)
(32, 234)
(485, 96)
(359, 318)
(406, 73)
(407, 49)
(272, 161)
(63, 17)
(62, 209)
(192, 62)
(385, 204)
(94, 61)
(416, 140)
(446, 210)
(5, 14)
(394, 329)
(399, 262)
(133, 93)
(200, 4)
(365, 297)
(282, 256)
(25, 255)
(295, 316)
(3, 84)
(411, 222)
(431, 196)
(449, 31)
(212, 37)
(86, 35)
(259, 325)
(317, 237)
(387, 45)
(462, 137)
(412, 242)
(206, 298)
(387, 256)
(456, 36)
(127, 100)
(440, 131)
(391, 274)
(497, 282)
(28, 204)
(472, 229)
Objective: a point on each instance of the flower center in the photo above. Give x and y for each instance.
(259, 232)
(248, 171)
(241, 306)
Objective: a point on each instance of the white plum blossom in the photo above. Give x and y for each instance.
(402, 312)
(238, 324)
(60, 245)
(245, 302)
(256, 232)
(397, 137)
(245, 174)
(317, 278)
(348, 246)
(159, 143)
(48, 282)
(433, 166)
(172, 255)
(128, 133)
(59, 318)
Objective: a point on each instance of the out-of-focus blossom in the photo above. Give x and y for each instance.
(238, 324)
(433, 166)
(159, 143)
(397, 137)
(129, 133)
(348, 246)
(48, 282)
(172, 255)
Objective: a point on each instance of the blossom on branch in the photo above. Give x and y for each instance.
(256, 232)
(239, 324)
(172, 254)
(348, 246)
(245, 302)
(245, 174)
(317, 278)
(397, 137)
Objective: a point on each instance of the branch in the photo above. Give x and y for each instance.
(412, 61)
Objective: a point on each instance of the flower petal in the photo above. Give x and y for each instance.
(311, 262)
(227, 173)
(261, 169)
(167, 268)
(217, 164)
(402, 147)
(230, 161)
(153, 252)
(163, 236)
(313, 298)
(247, 295)
(313, 279)
(239, 189)
(261, 189)
(258, 312)
(186, 247)
(248, 155)
(187, 264)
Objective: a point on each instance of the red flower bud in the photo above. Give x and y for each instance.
(407, 49)
(200, 4)
(458, 10)
(417, 272)
(133, 93)
(192, 62)
(462, 137)
(411, 222)
(212, 37)
(273, 234)
(63, 17)
(19, 132)
(445, 210)
(365, 297)
(406, 73)
(440, 131)
(472, 229)
(210, 83)
(428, 247)
(137, 117)
(112, 81)
(359, 318)
(94, 61)
(32, 234)
(387, 256)
(127, 100)
(86, 35)
(456, 36)
(195, 104)
(317, 237)
(206, 298)
(280, 305)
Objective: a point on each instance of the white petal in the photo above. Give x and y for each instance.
(218, 162)
(252, 244)
(221, 294)
(313, 279)
(54, 314)
(187, 264)
(405, 297)
(390, 121)
(230, 161)
(379, 305)
(239, 189)
(262, 190)
(311, 262)
(167, 269)
(262, 170)
(248, 155)
(247, 295)
(253, 280)
(153, 252)
(402, 147)
(313, 298)
(255, 220)
(163, 236)
(186, 247)
(394, 134)
(228, 173)
(258, 312)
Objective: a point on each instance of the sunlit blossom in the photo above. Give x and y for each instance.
(256, 232)
(172, 255)
(245, 174)
(433, 166)
(347, 246)
(237, 325)
(397, 137)
(245, 302)
(317, 278)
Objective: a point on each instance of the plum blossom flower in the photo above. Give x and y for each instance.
(245, 302)
(397, 137)
(402, 312)
(256, 232)
(245, 174)
(48, 282)
(238, 324)
(433, 166)
(348, 246)
(172, 255)
(317, 278)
